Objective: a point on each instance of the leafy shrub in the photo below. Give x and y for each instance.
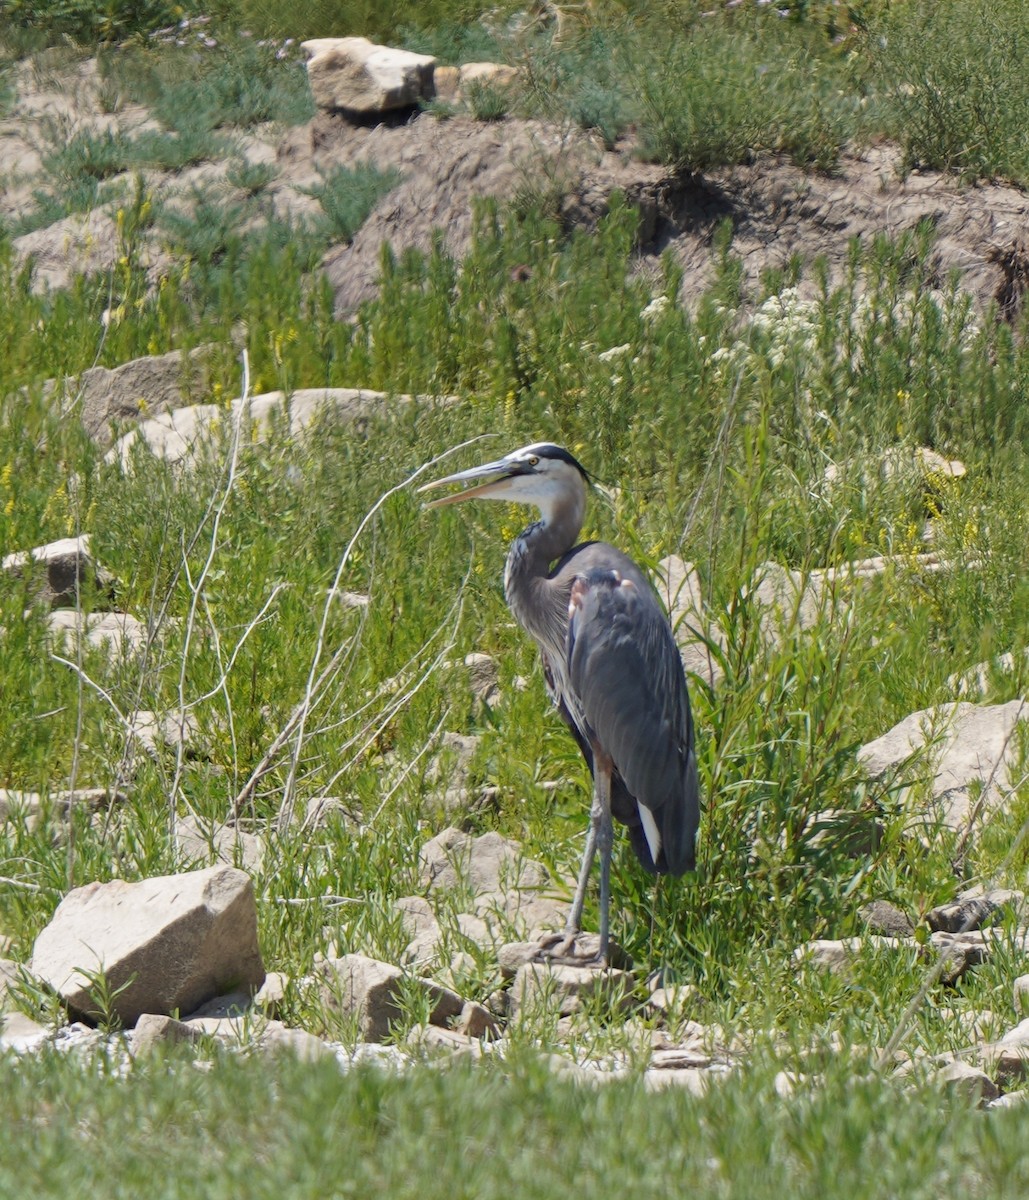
(729, 90)
(487, 101)
(348, 194)
(942, 104)
(89, 22)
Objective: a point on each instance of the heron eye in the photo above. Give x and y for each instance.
(533, 461)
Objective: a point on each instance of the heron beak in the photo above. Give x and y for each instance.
(502, 469)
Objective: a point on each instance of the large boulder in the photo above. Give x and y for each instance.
(951, 749)
(163, 944)
(354, 75)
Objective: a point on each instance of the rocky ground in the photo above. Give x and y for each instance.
(186, 944)
(777, 211)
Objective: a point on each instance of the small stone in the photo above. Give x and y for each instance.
(675, 999)
(272, 993)
(297, 1042)
(232, 1004)
(883, 917)
(692, 1080)
(9, 974)
(679, 1058)
(1020, 994)
(1010, 1100)
(969, 912)
(564, 989)
(153, 1028)
(499, 1003)
(966, 1081)
(451, 1040)
(371, 992)
(357, 76)
(476, 1021)
(1019, 1036)
(118, 634)
(486, 864)
(203, 844)
(1008, 1063)
(21, 1034)
(66, 569)
(322, 810)
(484, 676)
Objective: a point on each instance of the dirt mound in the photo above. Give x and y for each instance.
(777, 210)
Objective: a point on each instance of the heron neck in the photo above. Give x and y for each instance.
(527, 573)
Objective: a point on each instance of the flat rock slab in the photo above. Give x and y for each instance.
(372, 993)
(164, 944)
(184, 436)
(120, 635)
(948, 749)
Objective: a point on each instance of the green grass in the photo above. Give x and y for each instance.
(485, 1133)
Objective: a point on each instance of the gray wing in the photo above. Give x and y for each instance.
(626, 674)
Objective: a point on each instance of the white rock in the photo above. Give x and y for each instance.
(966, 1081)
(205, 844)
(357, 76)
(963, 744)
(564, 989)
(1019, 1036)
(371, 992)
(8, 980)
(21, 1034)
(678, 585)
(485, 864)
(118, 634)
(164, 944)
(185, 435)
(692, 1080)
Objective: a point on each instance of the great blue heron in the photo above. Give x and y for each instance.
(611, 665)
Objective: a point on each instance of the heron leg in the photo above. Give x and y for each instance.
(602, 828)
(574, 923)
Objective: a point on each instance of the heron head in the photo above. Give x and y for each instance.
(541, 474)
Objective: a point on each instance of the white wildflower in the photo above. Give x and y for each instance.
(656, 308)
(614, 352)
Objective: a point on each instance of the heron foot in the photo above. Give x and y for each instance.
(578, 949)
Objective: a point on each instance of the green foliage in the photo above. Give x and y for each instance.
(729, 90)
(348, 195)
(251, 177)
(376, 20)
(487, 102)
(943, 107)
(89, 22)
